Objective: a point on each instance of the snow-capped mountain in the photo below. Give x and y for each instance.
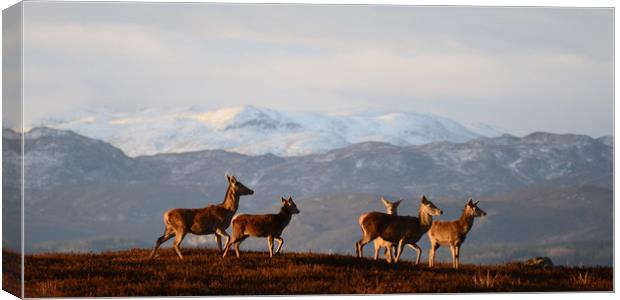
(255, 131)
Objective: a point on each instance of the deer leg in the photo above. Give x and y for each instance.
(453, 250)
(431, 254)
(237, 244)
(219, 233)
(226, 248)
(162, 239)
(270, 244)
(417, 248)
(218, 240)
(234, 241)
(280, 242)
(177, 242)
(393, 251)
(399, 251)
(377, 248)
(359, 246)
(457, 249)
(237, 248)
(388, 253)
(229, 243)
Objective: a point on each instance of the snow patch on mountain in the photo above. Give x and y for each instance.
(254, 131)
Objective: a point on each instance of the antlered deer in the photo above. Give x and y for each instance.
(270, 226)
(453, 233)
(397, 229)
(203, 221)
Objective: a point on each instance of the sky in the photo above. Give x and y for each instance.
(517, 69)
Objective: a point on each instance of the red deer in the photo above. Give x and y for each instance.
(397, 229)
(270, 226)
(391, 209)
(203, 221)
(453, 233)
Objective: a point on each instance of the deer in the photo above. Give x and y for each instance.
(397, 229)
(269, 226)
(391, 209)
(212, 219)
(453, 233)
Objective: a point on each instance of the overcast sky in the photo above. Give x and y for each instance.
(520, 69)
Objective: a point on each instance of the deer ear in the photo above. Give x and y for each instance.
(470, 201)
(424, 200)
(398, 202)
(283, 200)
(290, 198)
(476, 203)
(384, 201)
(228, 177)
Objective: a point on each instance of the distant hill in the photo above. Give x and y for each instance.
(80, 190)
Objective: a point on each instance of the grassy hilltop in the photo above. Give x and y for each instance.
(203, 272)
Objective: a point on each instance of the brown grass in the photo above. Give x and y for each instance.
(203, 272)
(11, 275)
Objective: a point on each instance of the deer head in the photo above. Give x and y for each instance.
(429, 208)
(289, 205)
(237, 187)
(472, 209)
(391, 207)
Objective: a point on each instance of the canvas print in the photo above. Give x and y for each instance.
(209, 149)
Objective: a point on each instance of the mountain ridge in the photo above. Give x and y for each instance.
(519, 159)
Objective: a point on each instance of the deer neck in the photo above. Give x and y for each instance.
(466, 222)
(284, 216)
(425, 220)
(231, 201)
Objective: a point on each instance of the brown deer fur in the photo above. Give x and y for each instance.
(202, 221)
(453, 233)
(391, 209)
(396, 229)
(270, 226)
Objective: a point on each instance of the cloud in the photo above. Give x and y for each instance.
(325, 58)
(135, 42)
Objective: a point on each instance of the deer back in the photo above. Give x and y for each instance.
(258, 225)
(390, 227)
(213, 216)
(446, 232)
(179, 217)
